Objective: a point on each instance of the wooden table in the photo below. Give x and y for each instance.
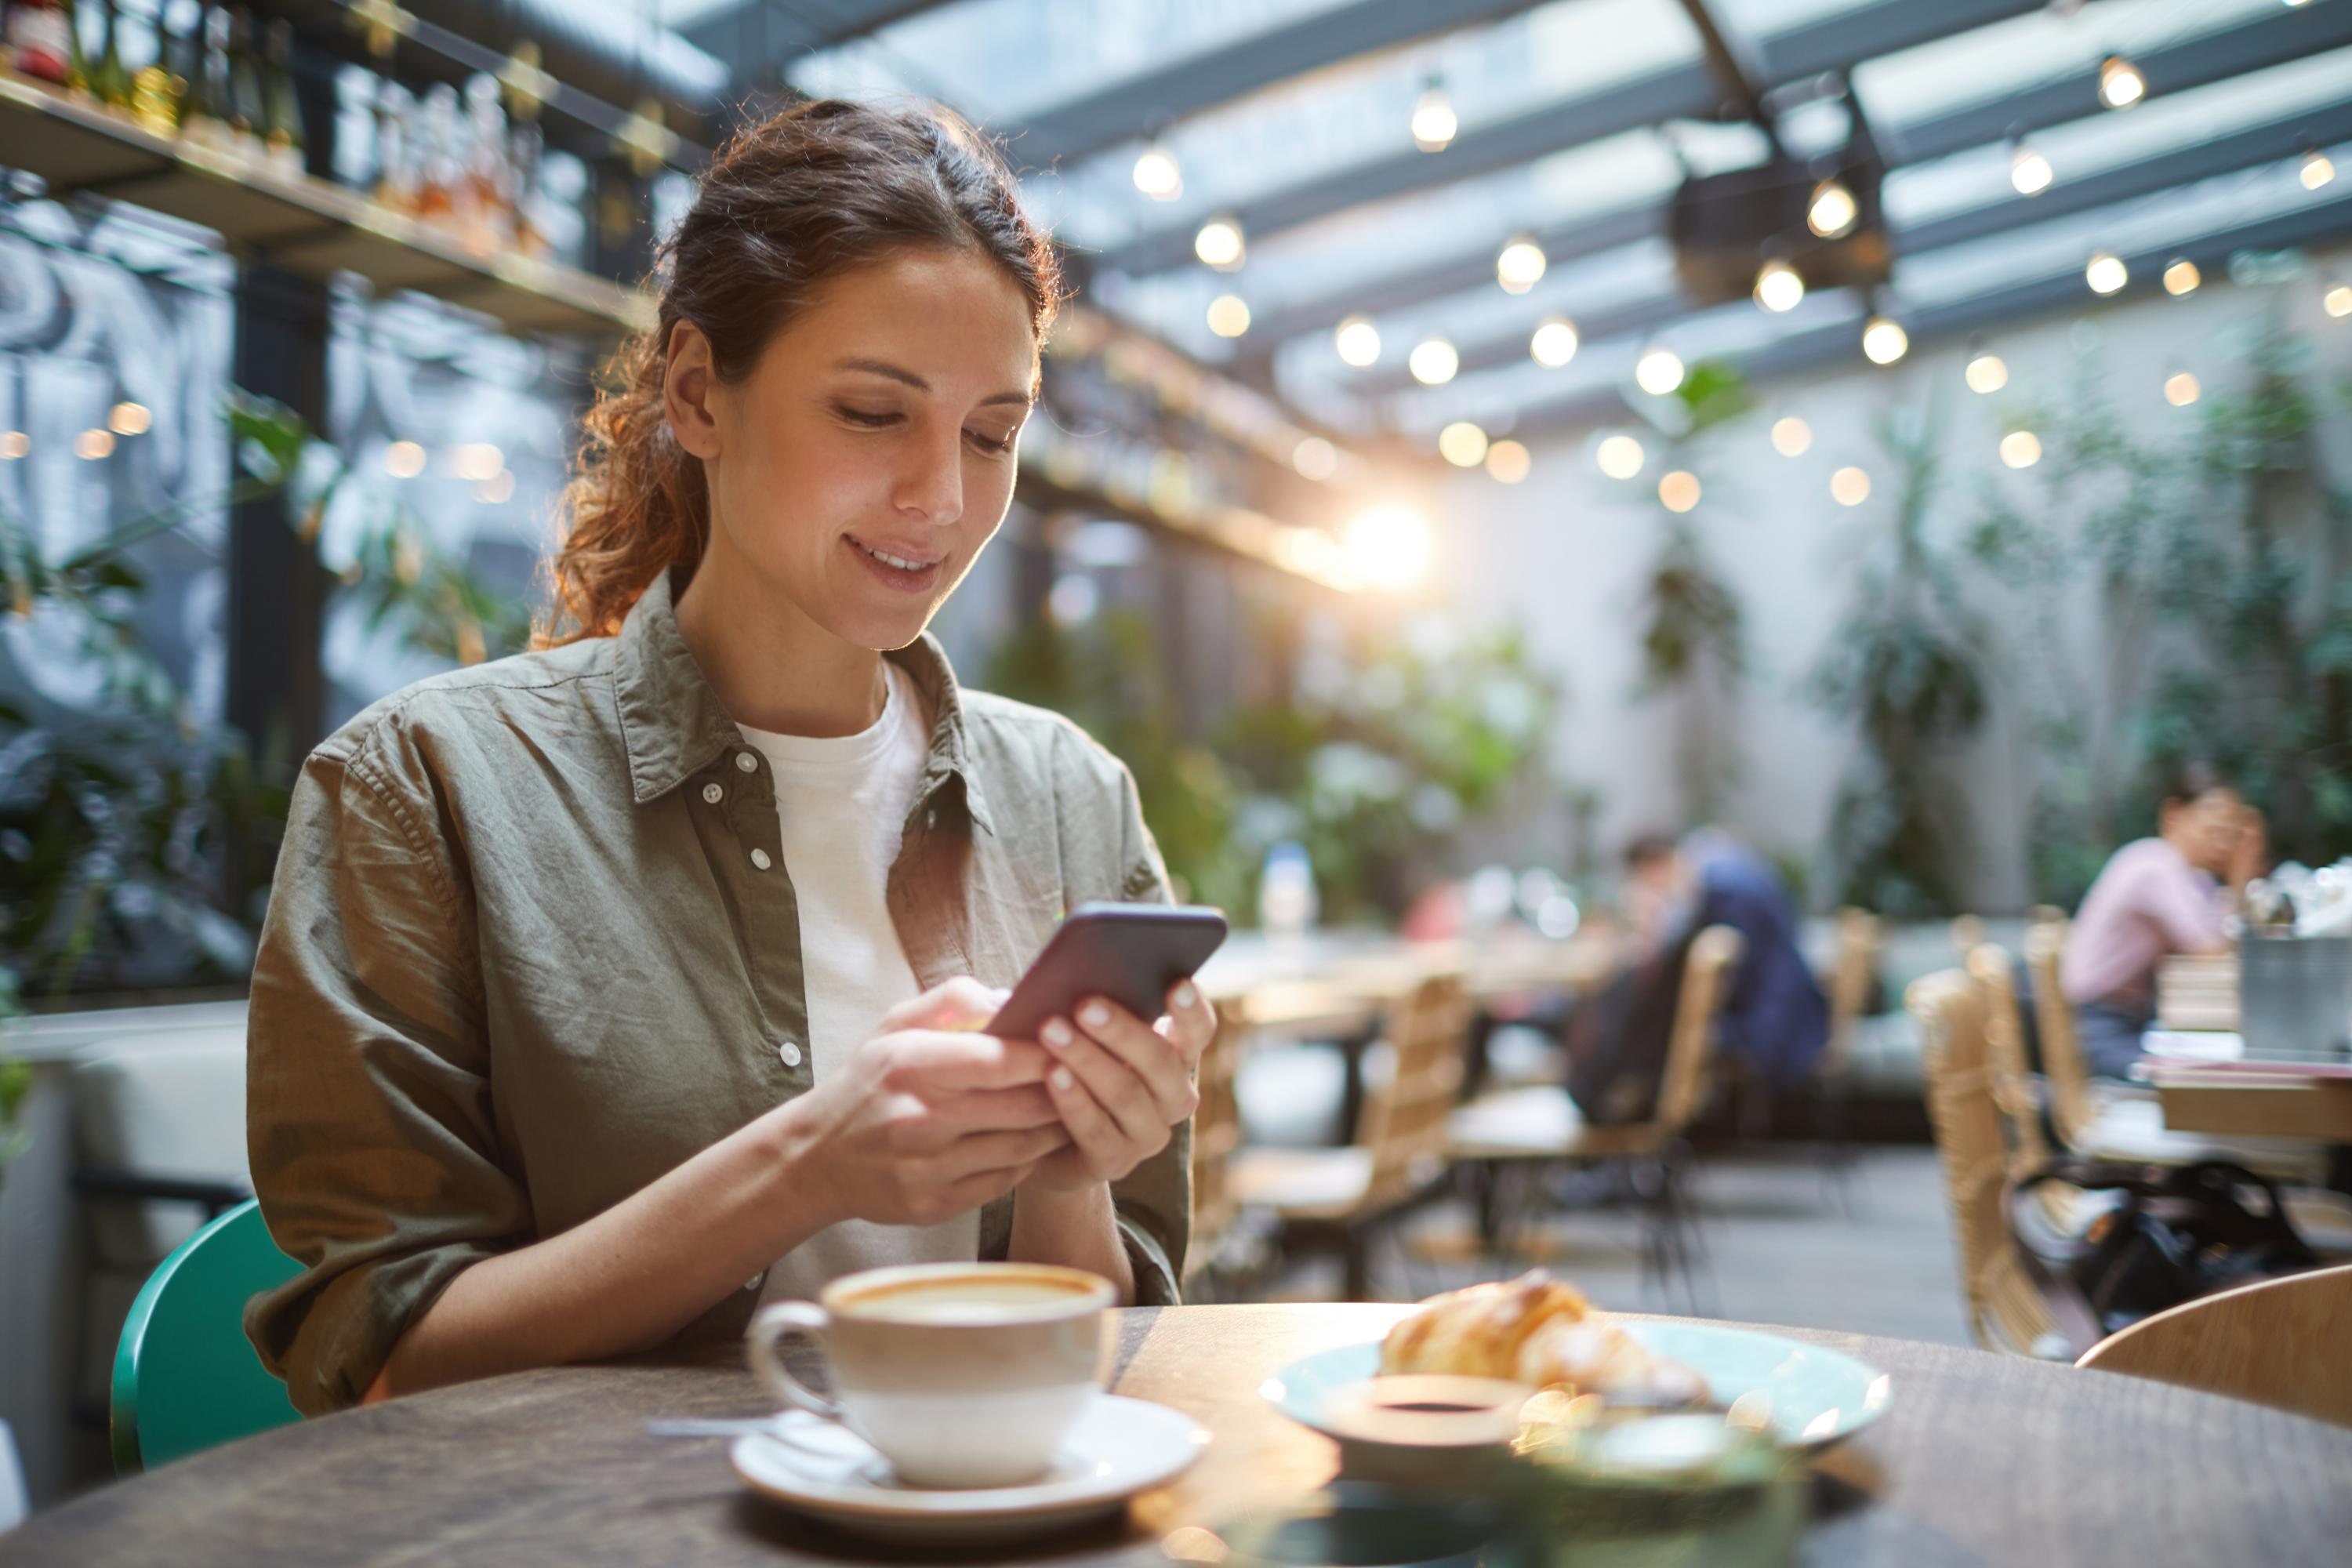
(1981, 1458)
(2258, 1099)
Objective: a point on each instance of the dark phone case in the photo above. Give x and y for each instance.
(1129, 953)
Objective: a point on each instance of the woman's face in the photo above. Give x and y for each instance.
(856, 472)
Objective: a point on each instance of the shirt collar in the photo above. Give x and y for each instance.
(675, 726)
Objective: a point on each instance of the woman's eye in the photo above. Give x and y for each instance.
(873, 418)
(988, 442)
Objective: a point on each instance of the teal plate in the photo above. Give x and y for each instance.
(1815, 1395)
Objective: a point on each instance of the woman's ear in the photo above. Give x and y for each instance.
(688, 384)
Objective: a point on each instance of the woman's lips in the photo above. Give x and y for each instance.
(906, 574)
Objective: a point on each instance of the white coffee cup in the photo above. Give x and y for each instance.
(962, 1375)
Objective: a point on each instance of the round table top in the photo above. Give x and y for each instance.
(1981, 1458)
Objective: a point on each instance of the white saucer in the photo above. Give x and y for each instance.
(1119, 1447)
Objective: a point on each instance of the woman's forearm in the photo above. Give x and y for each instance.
(626, 1280)
(1076, 1228)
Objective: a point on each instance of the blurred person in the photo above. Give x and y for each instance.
(611, 989)
(1774, 1019)
(2156, 896)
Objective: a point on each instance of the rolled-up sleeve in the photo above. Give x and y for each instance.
(375, 1146)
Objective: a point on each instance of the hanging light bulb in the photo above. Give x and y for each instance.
(1229, 315)
(1554, 343)
(1519, 266)
(1357, 340)
(2020, 448)
(1435, 125)
(1779, 287)
(1156, 175)
(2121, 83)
(2105, 273)
(2180, 389)
(2183, 278)
(1432, 362)
(1462, 444)
(1791, 437)
(1620, 457)
(1219, 243)
(2316, 170)
(1985, 373)
(1832, 211)
(1884, 341)
(2337, 300)
(2029, 170)
(1658, 372)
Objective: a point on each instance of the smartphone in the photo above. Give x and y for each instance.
(1131, 953)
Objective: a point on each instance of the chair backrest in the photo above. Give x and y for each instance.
(2277, 1342)
(1403, 1120)
(2013, 1094)
(2006, 1311)
(1216, 1134)
(1849, 982)
(1690, 1052)
(186, 1377)
(2072, 1107)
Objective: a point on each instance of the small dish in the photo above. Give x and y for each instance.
(1120, 1446)
(1805, 1395)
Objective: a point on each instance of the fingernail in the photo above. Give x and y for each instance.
(1003, 993)
(1185, 996)
(1055, 1033)
(1094, 1014)
(1061, 1079)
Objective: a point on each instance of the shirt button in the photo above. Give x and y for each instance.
(747, 761)
(753, 1282)
(790, 1053)
(713, 794)
(759, 859)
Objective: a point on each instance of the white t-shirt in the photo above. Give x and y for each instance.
(843, 802)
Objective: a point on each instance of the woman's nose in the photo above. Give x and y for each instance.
(931, 484)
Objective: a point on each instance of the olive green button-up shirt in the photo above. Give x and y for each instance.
(532, 943)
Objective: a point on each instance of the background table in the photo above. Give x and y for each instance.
(2262, 1099)
(1980, 1459)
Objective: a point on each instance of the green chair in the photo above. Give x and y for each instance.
(186, 1377)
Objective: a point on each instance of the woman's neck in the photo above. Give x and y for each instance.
(774, 667)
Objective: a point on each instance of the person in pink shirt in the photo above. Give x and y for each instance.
(2157, 896)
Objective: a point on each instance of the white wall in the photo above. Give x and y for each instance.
(1567, 552)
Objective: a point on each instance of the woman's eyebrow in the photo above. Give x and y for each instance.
(894, 373)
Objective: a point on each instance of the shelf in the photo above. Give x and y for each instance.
(303, 225)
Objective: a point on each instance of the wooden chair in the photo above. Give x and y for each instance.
(1343, 1194)
(1851, 971)
(1524, 1128)
(2277, 1342)
(2073, 1107)
(2006, 1309)
(2014, 1091)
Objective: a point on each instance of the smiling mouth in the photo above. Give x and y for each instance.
(904, 574)
(900, 563)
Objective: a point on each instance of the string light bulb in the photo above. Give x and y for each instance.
(2180, 389)
(1832, 211)
(1229, 315)
(2316, 170)
(1679, 490)
(1462, 444)
(2181, 277)
(2121, 83)
(1792, 436)
(1219, 244)
(1554, 343)
(1779, 287)
(1357, 340)
(1434, 125)
(1519, 266)
(2105, 273)
(1849, 487)
(1508, 461)
(1658, 372)
(1620, 457)
(1985, 373)
(1432, 362)
(1156, 175)
(2337, 300)
(2020, 448)
(2028, 171)
(1884, 341)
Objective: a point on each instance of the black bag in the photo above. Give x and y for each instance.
(2179, 1232)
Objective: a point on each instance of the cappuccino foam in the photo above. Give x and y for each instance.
(969, 1302)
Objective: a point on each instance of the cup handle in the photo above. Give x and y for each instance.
(766, 1329)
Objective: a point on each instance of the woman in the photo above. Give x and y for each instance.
(2154, 897)
(609, 990)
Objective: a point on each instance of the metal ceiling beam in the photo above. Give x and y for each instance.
(1977, 313)
(2281, 138)
(760, 37)
(2272, 39)
(1074, 129)
(1687, 91)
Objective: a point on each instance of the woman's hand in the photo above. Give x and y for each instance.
(1119, 1085)
(931, 1118)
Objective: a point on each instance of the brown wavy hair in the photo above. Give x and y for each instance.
(813, 191)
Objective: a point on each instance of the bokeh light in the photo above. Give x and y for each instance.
(1792, 436)
(1849, 487)
(1388, 546)
(1462, 444)
(1508, 461)
(1620, 457)
(1678, 491)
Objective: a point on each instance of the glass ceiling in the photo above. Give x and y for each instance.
(1343, 215)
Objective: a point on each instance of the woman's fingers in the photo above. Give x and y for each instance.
(1117, 1086)
(1100, 1141)
(1155, 1058)
(1192, 1022)
(954, 1004)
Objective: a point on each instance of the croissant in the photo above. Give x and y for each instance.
(1536, 1331)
